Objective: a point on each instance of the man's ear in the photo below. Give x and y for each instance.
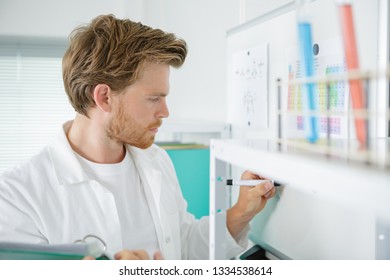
(102, 97)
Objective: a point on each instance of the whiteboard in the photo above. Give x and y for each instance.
(298, 224)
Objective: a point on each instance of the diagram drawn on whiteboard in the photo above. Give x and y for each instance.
(249, 82)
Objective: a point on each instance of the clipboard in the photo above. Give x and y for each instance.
(27, 251)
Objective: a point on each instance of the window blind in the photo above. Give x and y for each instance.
(33, 102)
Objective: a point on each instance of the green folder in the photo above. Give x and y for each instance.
(27, 251)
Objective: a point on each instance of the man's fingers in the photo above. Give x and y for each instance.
(157, 256)
(142, 255)
(136, 255)
(264, 188)
(270, 193)
(247, 175)
(132, 255)
(125, 255)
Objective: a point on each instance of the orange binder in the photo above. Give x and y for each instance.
(351, 55)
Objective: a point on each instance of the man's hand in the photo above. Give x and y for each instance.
(251, 201)
(132, 255)
(136, 255)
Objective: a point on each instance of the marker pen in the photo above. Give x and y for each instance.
(231, 182)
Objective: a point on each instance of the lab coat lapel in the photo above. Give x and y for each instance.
(151, 181)
(152, 186)
(149, 174)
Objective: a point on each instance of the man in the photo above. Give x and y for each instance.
(103, 175)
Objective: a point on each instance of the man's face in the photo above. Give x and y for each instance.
(138, 112)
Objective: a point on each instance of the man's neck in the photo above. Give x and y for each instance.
(89, 140)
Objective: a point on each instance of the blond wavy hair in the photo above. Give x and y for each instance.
(112, 51)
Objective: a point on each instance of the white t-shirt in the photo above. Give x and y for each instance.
(122, 179)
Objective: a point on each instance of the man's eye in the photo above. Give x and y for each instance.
(155, 99)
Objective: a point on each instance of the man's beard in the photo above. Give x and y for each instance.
(124, 129)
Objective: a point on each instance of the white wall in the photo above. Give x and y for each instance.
(198, 89)
(255, 8)
(57, 18)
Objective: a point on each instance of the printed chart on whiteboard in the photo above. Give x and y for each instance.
(328, 60)
(248, 76)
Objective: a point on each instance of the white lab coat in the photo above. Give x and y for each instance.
(50, 199)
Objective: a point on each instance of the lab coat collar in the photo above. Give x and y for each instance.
(69, 170)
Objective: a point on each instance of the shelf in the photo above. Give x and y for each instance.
(331, 178)
(329, 207)
(187, 131)
(188, 126)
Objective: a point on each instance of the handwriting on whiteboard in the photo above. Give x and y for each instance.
(249, 87)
